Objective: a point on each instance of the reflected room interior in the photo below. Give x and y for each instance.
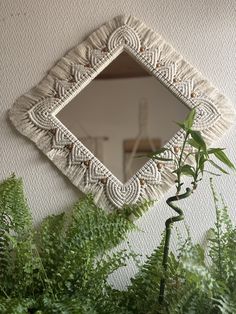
(123, 113)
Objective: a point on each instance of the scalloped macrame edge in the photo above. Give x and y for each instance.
(185, 82)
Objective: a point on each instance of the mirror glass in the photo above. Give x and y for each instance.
(123, 113)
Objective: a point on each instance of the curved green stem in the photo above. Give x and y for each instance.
(180, 163)
(168, 225)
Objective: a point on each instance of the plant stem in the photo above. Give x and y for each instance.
(180, 162)
(3, 290)
(219, 248)
(168, 225)
(45, 274)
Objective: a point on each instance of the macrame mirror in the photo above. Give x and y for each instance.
(111, 99)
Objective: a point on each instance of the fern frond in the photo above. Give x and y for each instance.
(50, 240)
(77, 241)
(197, 272)
(64, 267)
(16, 239)
(222, 241)
(15, 305)
(143, 292)
(5, 227)
(226, 304)
(134, 211)
(13, 203)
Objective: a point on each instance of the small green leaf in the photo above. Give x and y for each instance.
(177, 171)
(187, 170)
(202, 161)
(153, 154)
(213, 150)
(193, 143)
(196, 135)
(213, 173)
(188, 122)
(161, 158)
(218, 167)
(197, 157)
(219, 154)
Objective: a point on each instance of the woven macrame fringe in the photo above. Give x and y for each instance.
(19, 114)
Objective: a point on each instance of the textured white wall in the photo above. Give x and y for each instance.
(35, 34)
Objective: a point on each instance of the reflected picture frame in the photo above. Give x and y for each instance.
(34, 114)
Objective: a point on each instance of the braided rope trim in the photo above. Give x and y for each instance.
(34, 114)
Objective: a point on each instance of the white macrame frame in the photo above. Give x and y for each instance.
(34, 114)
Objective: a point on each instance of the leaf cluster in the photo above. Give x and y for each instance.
(64, 265)
(191, 158)
(200, 279)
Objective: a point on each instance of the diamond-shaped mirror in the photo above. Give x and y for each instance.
(123, 114)
(115, 96)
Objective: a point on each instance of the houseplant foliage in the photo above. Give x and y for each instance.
(63, 266)
(190, 160)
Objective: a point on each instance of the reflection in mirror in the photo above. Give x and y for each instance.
(123, 113)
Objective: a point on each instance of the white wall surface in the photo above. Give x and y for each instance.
(34, 34)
